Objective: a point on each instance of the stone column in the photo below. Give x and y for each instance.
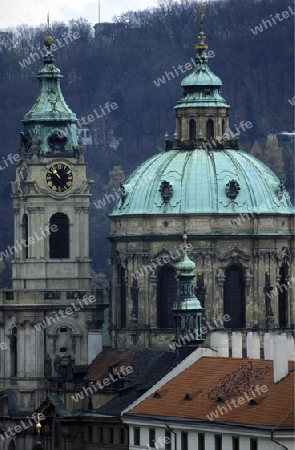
(32, 250)
(21, 349)
(17, 227)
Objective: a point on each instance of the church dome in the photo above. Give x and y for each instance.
(203, 171)
(204, 77)
(200, 181)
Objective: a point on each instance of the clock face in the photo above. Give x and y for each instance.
(59, 177)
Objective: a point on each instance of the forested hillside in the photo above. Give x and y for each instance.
(120, 64)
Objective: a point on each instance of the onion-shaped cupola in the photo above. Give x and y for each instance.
(50, 125)
(201, 113)
(187, 309)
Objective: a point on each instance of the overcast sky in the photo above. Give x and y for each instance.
(34, 12)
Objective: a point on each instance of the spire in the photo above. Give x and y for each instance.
(38, 444)
(48, 42)
(201, 46)
(50, 124)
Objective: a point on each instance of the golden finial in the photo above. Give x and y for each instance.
(184, 237)
(38, 424)
(201, 13)
(201, 45)
(48, 40)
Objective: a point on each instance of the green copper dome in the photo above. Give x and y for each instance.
(200, 181)
(186, 266)
(202, 76)
(189, 178)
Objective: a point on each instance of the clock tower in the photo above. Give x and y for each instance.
(51, 192)
(51, 320)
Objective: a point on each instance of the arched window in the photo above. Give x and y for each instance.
(122, 297)
(234, 297)
(223, 127)
(59, 241)
(25, 235)
(166, 296)
(11, 445)
(283, 297)
(192, 129)
(13, 351)
(179, 130)
(210, 129)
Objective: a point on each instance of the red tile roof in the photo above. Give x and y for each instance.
(215, 385)
(100, 366)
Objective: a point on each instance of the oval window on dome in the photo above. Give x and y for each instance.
(232, 189)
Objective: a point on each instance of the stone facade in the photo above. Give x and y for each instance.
(260, 244)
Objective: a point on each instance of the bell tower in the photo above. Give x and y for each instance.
(51, 320)
(51, 193)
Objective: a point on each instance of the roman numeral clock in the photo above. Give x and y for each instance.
(59, 177)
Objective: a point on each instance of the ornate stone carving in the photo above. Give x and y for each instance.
(81, 209)
(35, 146)
(234, 253)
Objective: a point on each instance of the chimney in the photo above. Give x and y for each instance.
(253, 345)
(268, 345)
(219, 342)
(280, 363)
(291, 347)
(237, 344)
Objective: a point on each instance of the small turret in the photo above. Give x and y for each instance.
(187, 310)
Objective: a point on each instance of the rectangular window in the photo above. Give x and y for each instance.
(90, 433)
(235, 443)
(218, 442)
(167, 440)
(111, 435)
(253, 444)
(201, 441)
(184, 445)
(136, 436)
(152, 437)
(122, 435)
(100, 434)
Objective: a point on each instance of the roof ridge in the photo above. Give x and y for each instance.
(181, 367)
(292, 408)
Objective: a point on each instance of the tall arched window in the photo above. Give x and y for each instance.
(166, 296)
(13, 351)
(223, 127)
(25, 235)
(209, 129)
(122, 274)
(283, 297)
(192, 129)
(234, 297)
(59, 241)
(11, 446)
